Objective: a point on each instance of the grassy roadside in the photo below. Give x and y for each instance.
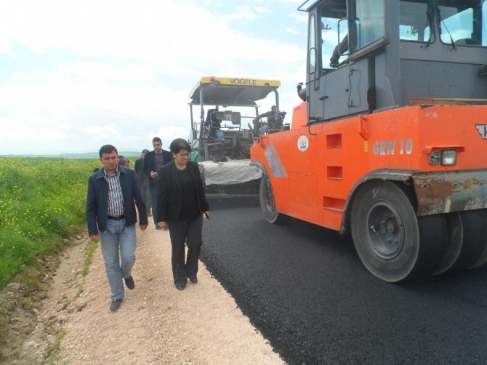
(42, 202)
(42, 205)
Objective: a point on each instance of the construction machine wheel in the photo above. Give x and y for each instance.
(474, 227)
(392, 242)
(454, 245)
(266, 198)
(482, 259)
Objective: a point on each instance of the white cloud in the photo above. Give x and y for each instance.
(120, 71)
(243, 12)
(301, 17)
(291, 30)
(261, 9)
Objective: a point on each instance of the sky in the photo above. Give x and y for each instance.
(75, 75)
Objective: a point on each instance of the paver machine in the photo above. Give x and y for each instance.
(389, 142)
(224, 115)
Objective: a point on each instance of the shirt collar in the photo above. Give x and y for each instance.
(117, 172)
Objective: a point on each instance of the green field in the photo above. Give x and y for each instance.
(42, 201)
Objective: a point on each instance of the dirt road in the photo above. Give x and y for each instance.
(156, 324)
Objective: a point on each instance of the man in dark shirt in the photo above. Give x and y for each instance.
(139, 170)
(274, 121)
(113, 193)
(153, 162)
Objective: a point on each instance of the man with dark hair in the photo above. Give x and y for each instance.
(274, 121)
(181, 205)
(113, 193)
(124, 161)
(153, 162)
(139, 170)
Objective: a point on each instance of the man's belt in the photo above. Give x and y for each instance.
(116, 218)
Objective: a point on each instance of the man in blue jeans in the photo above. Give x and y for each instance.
(113, 193)
(153, 162)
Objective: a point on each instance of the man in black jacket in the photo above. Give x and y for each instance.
(181, 206)
(139, 170)
(274, 121)
(153, 162)
(113, 193)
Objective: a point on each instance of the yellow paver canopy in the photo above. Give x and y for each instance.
(229, 91)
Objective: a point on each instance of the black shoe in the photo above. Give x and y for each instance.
(130, 282)
(180, 286)
(193, 279)
(115, 304)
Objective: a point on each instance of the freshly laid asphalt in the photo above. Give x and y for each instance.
(305, 289)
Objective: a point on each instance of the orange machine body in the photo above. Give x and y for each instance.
(315, 169)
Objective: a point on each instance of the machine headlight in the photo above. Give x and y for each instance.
(449, 157)
(434, 158)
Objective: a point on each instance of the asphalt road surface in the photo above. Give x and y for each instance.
(306, 290)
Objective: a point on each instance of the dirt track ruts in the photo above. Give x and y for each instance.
(156, 324)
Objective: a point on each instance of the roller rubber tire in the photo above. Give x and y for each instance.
(482, 259)
(393, 244)
(454, 245)
(266, 198)
(474, 239)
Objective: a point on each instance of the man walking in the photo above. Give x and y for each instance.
(153, 162)
(139, 170)
(113, 193)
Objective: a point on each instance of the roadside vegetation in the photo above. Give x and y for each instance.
(42, 202)
(42, 207)
(42, 210)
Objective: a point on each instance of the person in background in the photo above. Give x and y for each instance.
(153, 162)
(96, 169)
(112, 195)
(339, 50)
(123, 161)
(181, 204)
(139, 170)
(274, 121)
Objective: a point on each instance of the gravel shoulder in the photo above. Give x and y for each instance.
(156, 323)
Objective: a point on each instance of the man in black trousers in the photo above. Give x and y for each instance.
(139, 170)
(153, 162)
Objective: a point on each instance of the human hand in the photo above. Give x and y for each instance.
(154, 174)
